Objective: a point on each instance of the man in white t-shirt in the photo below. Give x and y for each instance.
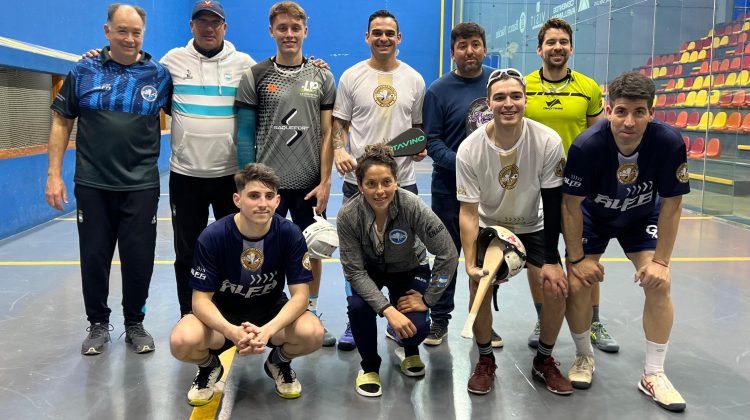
(377, 99)
(503, 170)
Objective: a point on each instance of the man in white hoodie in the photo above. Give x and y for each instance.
(205, 74)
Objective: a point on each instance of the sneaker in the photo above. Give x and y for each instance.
(582, 371)
(139, 339)
(534, 336)
(287, 385)
(497, 341)
(202, 390)
(97, 340)
(368, 384)
(411, 366)
(328, 339)
(658, 387)
(438, 331)
(601, 339)
(346, 341)
(483, 377)
(390, 333)
(548, 373)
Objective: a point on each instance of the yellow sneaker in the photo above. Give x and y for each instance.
(658, 387)
(582, 371)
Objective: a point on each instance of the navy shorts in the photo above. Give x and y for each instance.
(237, 319)
(639, 235)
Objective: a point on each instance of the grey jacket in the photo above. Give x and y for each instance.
(410, 225)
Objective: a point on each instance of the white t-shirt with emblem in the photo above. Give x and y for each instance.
(380, 106)
(507, 183)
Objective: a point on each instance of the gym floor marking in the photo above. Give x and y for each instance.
(336, 260)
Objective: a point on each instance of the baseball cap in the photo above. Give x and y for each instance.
(210, 6)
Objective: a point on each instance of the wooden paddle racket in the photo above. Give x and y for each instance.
(493, 260)
(408, 143)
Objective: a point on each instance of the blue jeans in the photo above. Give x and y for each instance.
(446, 206)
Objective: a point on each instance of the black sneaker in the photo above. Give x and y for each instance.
(97, 340)
(202, 390)
(438, 331)
(497, 341)
(139, 339)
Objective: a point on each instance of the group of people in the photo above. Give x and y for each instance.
(255, 141)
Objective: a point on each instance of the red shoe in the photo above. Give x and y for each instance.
(548, 373)
(483, 377)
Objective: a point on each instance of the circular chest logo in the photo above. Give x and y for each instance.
(627, 173)
(508, 177)
(397, 236)
(560, 168)
(384, 95)
(477, 115)
(251, 259)
(682, 173)
(149, 93)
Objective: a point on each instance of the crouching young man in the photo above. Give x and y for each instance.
(240, 266)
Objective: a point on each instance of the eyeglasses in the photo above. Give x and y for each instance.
(501, 74)
(204, 23)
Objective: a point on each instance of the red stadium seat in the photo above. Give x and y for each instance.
(682, 118)
(726, 99)
(671, 117)
(738, 100)
(661, 115)
(680, 99)
(686, 139)
(735, 64)
(746, 124)
(734, 122)
(697, 148)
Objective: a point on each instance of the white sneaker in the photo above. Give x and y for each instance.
(287, 384)
(658, 387)
(202, 390)
(582, 371)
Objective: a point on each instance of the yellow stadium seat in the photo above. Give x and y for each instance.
(731, 80)
(690, 99)
(680, 84)
(705, 122)
(708, 81)
(724, 41)
(746, 26)
(662, 71)
(720, 120)
(713, 99)
(701, 99)
(744, 78)
(716, 43)
(694, 56)
(697, 83)
(685, 57)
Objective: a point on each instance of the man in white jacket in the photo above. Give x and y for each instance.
(205, 74)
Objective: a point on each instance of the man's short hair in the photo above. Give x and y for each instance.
(382, 13)
(554, 23)
(257, 172)
(466, 30)
(112, 9)
(294, 10)
(632, 85)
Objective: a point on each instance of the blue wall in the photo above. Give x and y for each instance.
(336, 34)
(336, 31)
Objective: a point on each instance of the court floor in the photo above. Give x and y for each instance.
(43, 375)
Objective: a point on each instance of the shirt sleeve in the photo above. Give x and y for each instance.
(246, 96)
(596, 106)
(578, 173)
(205, 275)
(673, 179)
(416, 111)
(467, 184)
(433, 125)
(342, 107)
(329, 91)
(554, 163)
(66, 100)
(297, 259)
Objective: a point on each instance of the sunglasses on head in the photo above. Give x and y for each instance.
(505, 73)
